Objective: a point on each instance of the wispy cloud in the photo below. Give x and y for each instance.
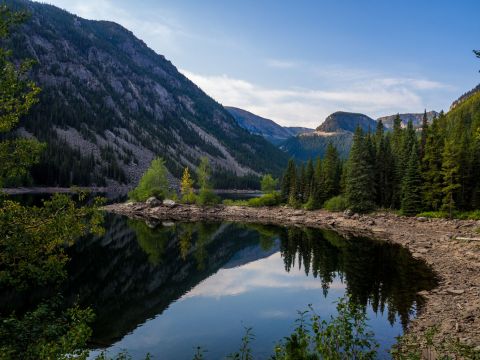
(283, 64)
(309, 107)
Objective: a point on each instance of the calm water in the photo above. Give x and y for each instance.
(168, 288)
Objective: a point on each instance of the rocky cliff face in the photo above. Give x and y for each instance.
(109, 104)
(338, 129)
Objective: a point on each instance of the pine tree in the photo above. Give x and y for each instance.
(288, 180)
(331, 172)
(412, 185)
(309, 179)
(301, 185)
(186, 187)
(360, 182)
(396, 145)
(432, 167)
(450, 173)
(423, 139)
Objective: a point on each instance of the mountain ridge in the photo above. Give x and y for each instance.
(267, 128)
(109, 104)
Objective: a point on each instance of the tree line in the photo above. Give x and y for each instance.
(434, 168)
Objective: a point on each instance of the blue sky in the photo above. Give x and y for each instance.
(297, 61)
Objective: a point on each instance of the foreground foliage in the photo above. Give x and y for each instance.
(33, 239)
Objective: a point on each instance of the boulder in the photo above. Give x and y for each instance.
(422, 219)
(348, 213)
(153, 202)
(168, 202)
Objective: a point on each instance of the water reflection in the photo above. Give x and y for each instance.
(223, 273)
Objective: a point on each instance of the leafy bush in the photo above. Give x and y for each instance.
(153, 183)
(337, 203)
(271, 199)
(345, 336)
(461, 215)
(207, 197)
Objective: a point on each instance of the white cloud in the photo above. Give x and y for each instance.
(283, 64)
(266, 273)
(309, 107)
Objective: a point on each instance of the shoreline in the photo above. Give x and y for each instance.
(450, 247)
(121, 190)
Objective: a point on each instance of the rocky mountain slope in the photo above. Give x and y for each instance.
(338, 129)
(465, 96)
(267, 128)
(109, 104)
(415, 118)
(346, 121)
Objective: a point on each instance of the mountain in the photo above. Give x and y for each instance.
(415, 118)
(346, 121)
(465, 96)
(338, 129)
(109, 104)
(267, 128)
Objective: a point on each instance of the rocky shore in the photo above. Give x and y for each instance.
(450, 247)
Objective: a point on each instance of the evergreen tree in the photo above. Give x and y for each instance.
(424, 135)
(412, 185)
(288, 180)
(301, 185)
(331, 172)
(309, 180)
(396, 145)
(360, 182)
(432, 167)
(450, 173)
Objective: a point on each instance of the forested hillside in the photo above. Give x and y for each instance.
(434, 170)
(109, 104)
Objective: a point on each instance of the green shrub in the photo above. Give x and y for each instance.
(461, 215)
(207, 197)
(337, 203)
(154, 182)
(231, 202)
(271, 199)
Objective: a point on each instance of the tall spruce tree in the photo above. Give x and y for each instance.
(423, 139)
(331, 172)
(432, 167)
(396, 145)
(412, 185)
(450, 173)
(360, 182)
(287, 180)
(309, 179)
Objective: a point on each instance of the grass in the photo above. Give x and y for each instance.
(270, 199)
(460, 215)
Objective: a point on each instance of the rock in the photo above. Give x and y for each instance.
(348, 213)
(153, 202)
(168, 202)
(422, 219)
(355, 216)
(168, 223)
(152, 224)
(371, 222)
(455, 291)
(423, 293)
